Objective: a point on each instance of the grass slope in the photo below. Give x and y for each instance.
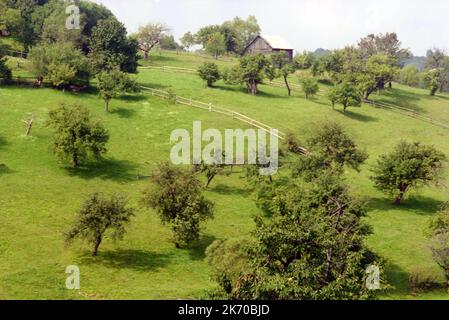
(40, 196)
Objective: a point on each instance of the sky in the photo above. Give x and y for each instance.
(305, 24)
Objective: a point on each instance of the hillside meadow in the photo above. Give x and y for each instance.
(40, 196)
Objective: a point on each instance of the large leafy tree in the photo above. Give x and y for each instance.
(110, 48)
(177, 198)
(99, 215)
(331, 148)
(76, 135)
(387, 44)
(408, 167)
(188, 40)
(312, 248)
(250, 72)
(150, 36)
(347, 94)
(438, 64)
(216, 44)
(60, 63)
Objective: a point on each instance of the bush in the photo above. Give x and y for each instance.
(309, 87)
(209, 72)
(5, 72)
(423, 280)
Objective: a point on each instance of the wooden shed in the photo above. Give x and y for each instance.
(267, 45)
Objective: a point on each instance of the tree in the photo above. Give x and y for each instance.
(438, 64)
(284, 68)
(97, 216)
(378, 71)
(168, 42)
(110, 48)
(178, 200)
(312, 247)
(309, 87)
(112, 84)
(61, 63)
(209, 73)
(304, 61)
(150, 36)
(188, 40)
(244, 31)
(409, 76)
(409, 166)
(76, 135)
(439, 234)
(345, 94)
(331, 148)
(5, 72)
(433, 80)
(216, 44)
(250, 72)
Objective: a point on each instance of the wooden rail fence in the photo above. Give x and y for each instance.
(213, 108)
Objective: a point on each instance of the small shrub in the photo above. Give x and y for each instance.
(423, 280)
(209, 72)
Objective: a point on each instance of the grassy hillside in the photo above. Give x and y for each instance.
(40, 196)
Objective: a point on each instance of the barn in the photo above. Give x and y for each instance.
(266, 45)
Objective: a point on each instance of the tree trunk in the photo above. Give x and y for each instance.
(96, 246)
(75, 160)
(402, 191)
(146, 54)
(106, 105)
(344, 108)
(209, 180)
(288, 86)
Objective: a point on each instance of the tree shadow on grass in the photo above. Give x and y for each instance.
(106, 169)
(358, 116)
(397, 278)
(124, 113)
(227, 190)
(130, 259)
(133, 98)
(419, 205)
(3, 142)
(197, 251)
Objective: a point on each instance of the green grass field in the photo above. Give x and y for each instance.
(40, 196)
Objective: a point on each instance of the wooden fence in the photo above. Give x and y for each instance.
(213, 108)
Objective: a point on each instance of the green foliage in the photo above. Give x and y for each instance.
(346, 94)
(228, 261)
(60, 63)
(312, 248)
(209, 72)
(111, 49)
(168, 42)
(331, 148)
(76, 134)
(97, 216)
(113, 84)
(433, 80)
(5, 72)
(409, 166)
(216, 44)
(282, 67)
(250, 72)
(305, 60)
(178, 199)
(439, 234)
(309, 87)
(188, 40)
(409, 76)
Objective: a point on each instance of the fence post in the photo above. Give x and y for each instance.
(210, 107)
